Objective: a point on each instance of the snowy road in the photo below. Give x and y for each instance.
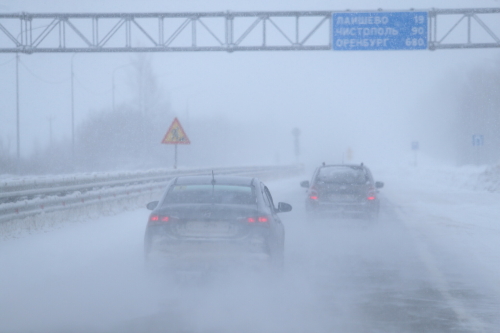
(430, 264)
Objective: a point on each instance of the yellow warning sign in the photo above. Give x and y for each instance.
(176, 135)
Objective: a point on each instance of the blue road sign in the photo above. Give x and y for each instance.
(477, 140)
(380, 31)
(415, 145)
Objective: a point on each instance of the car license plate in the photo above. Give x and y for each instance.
(208, 229)
(342, 198)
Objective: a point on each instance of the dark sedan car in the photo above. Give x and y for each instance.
(347, 190)
(207, 220)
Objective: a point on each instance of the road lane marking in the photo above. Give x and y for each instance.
(438, 278)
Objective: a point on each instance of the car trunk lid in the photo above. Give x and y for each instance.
(209, 221)
(341, 193)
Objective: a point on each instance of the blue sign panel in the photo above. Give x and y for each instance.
(414, 145)
(380, 31)
(477, 140)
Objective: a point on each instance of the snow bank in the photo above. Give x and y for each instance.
(109, 205)
(489, 179)
(477, 178)
(45, 222)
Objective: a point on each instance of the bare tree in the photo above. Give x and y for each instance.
(7, 164)
(144, 83)
(479, 114)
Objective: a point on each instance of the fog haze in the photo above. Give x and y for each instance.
(374, 103)
(428, 264)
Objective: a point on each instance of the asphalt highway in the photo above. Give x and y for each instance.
(341, 275)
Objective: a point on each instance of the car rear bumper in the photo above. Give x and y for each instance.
(186, 254)
(196, 260)
(209, 246)
(343, 208)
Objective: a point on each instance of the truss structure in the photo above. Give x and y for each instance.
(219, 31)
(464, 28)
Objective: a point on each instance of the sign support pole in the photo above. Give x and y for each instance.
(175, 158)
(175, 136)
(477, 143)
(296, 135)
(415, 147)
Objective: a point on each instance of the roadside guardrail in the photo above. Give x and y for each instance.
(20, 198)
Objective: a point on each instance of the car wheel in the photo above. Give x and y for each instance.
(372, 215)
(311, 212)
(278, 260)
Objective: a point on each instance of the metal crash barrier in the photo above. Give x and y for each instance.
(20, 198)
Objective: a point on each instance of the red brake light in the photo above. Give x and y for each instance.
(261, 219)
(371, 198)
(313, 194)
(158, 219)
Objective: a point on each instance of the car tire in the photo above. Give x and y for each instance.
(311, 212)
(277, 266)
(372, 215)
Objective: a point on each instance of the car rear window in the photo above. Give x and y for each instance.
(219, 194)
(342, 175)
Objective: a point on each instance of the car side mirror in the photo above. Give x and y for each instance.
(304, 183)
(379, 184)
(284, 207)
(152, 205)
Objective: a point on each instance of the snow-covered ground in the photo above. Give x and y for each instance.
(454, 214)
(456, 207)
(430, 264)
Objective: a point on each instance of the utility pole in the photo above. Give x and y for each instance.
(113, 83)
(50, 119)
(296, 135)
(17, 112)
(72, 110)
(113, 89)
(415, 146)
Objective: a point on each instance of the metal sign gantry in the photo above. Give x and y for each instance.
(222, 31)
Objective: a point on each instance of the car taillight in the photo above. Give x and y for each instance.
(261, 219)
(158, 219)
(371, 194)
(313, 195)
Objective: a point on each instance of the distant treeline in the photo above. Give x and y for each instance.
(479, 114)
(127, 139)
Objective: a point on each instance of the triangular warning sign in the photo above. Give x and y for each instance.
(175, 134)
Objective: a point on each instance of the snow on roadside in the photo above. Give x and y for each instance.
(48, 221)
(478, 178)
(490, 178)
(454, 212)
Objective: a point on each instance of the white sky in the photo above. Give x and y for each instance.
(369, 101)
